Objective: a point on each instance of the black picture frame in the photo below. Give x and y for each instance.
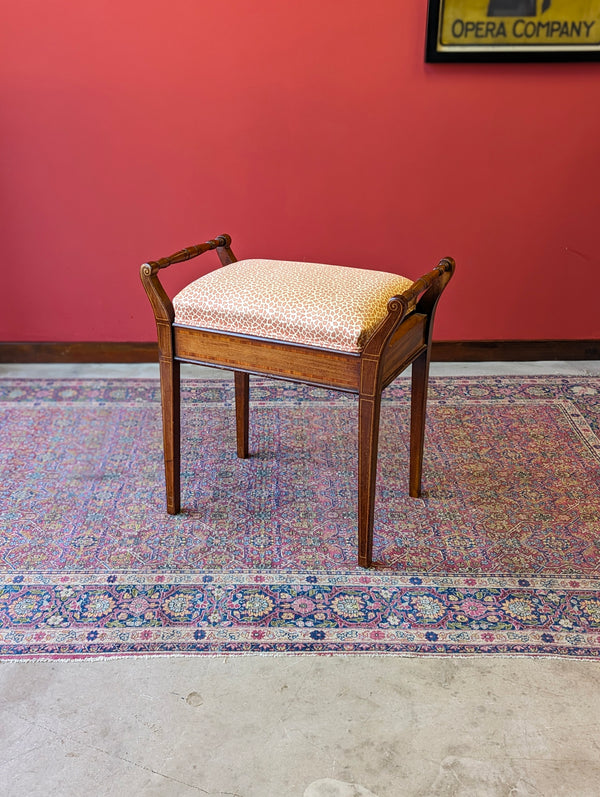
(437, 52)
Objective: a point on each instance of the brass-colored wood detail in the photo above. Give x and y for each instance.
(403, 337)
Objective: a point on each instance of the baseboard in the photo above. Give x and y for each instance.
(79, 352)
(514, 350)
(443, 351)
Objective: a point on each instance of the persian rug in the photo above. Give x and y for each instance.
(501, 555)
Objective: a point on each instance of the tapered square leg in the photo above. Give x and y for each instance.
(418, 412)
(368, 441)
(242, 397)
(170, 400)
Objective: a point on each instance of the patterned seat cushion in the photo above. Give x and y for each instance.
(333, 307)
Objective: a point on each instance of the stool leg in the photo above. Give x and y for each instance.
(420, 379)
(170, 400)
(368, 441)
(242, 397)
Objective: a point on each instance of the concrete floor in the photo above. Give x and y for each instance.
(300, 726)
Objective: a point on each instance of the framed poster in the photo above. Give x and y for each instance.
(513, 30)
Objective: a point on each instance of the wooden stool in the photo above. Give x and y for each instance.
(346, 329)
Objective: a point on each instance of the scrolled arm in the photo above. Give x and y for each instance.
(161, 303)
(436, 278)
(428, 288)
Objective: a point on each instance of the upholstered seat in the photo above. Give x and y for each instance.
(342, 328)
(332, 307)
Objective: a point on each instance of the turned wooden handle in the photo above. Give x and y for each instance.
(154, 266)
(424, 283)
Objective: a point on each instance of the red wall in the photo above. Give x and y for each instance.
(307, 130)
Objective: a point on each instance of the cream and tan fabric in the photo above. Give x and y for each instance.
(333, 307)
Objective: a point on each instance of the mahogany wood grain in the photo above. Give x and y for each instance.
(267, 357)
(242, 398)
(403, 346)
(170, 400)
(368, 442)
(418, 408)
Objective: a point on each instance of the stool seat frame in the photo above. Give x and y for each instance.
(401, 339)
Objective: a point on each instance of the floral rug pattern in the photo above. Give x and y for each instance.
(500, 555)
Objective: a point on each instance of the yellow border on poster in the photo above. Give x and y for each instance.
(519, 25)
